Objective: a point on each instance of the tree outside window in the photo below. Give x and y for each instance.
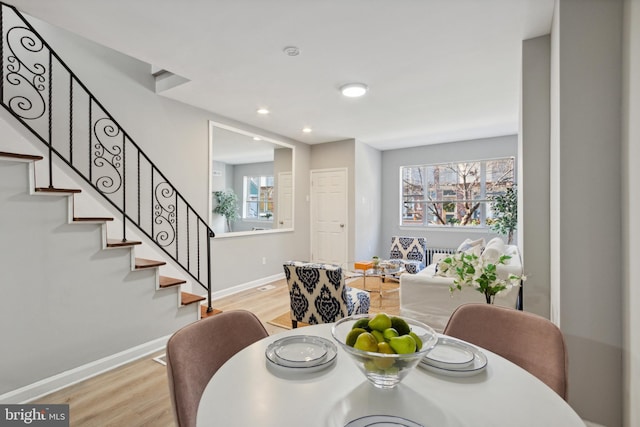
(454, 194)
(258, 197)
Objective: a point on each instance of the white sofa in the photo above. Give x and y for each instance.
(425, 296)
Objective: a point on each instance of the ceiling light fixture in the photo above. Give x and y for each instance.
(354, 90)
(306, 129)
(263, 111)
(291, 50)
(257, 138)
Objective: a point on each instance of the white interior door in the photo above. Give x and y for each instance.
(329, 216)
(285, 201)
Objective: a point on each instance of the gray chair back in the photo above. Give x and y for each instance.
(196, 352)
(528, 340)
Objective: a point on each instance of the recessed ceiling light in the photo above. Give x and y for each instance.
(257, 138)
(263, 111)
(354, 90)
(306, 129)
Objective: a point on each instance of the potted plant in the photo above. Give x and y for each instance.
(227, 206)
(505, 208)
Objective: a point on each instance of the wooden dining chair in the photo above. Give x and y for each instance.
(196, 352)
(528, 340)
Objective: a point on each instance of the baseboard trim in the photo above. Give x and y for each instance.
(246, 286)
(73, 376)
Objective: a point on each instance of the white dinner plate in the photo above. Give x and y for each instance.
(300, 350)
(382, 421)
(450, 354)
(322, 363)
(478, 364)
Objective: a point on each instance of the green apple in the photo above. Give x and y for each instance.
(384, 362)
(371, 366)
(366, 342)
(390, 333)
(400, 325)
(380, 322)
(417, 340)
(353, 335)
(362, 323)
(384, 347)
(379, 335)
(403, 344)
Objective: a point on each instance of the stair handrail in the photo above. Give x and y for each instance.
(28, 95)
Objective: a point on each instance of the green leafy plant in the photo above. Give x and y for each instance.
(227, 206)
(471, 270)
(505, 208)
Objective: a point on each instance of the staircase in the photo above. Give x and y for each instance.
(49, 105)
(138, 264)
(49, 101)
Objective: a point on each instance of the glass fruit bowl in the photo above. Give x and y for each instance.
(384, 369)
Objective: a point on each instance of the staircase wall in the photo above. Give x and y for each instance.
(65, 302)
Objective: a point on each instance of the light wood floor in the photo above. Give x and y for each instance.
(137, 394)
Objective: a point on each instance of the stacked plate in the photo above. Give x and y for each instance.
(382, 420)
(455, 358)
(303, 352)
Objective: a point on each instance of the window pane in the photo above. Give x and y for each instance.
(500, 176)
(259, 197)
(453, 194)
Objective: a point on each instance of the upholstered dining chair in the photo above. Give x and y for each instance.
(528, 340)
(196, 352)
(319, 294)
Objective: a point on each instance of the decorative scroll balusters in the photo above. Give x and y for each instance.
(41, 92)
(107, 156)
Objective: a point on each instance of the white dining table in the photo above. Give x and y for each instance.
(247, 391)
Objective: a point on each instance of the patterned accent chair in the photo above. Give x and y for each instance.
(319, 295)
(409, 251)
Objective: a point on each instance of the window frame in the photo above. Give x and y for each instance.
(261, 203)
(477, 218)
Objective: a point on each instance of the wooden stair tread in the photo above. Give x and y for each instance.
(119, 243)
(166, 281)
(20, 156)
(50, 190)
(204, 314)
(188, 298)
(148, 263)
(92, 219)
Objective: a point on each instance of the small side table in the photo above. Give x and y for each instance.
(364, 266)
(368, 269)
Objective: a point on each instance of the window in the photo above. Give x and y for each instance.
(454, 194)
(258, 197)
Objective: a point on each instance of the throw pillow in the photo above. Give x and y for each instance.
(493, 251)
(474, 246)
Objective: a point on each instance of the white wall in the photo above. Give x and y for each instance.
(585, 149)
(392, 160)
(533, 180)
(631, 207)
(367, 200)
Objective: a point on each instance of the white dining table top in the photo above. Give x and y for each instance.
(247, 391)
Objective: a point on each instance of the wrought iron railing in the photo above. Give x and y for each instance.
(42, 92)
